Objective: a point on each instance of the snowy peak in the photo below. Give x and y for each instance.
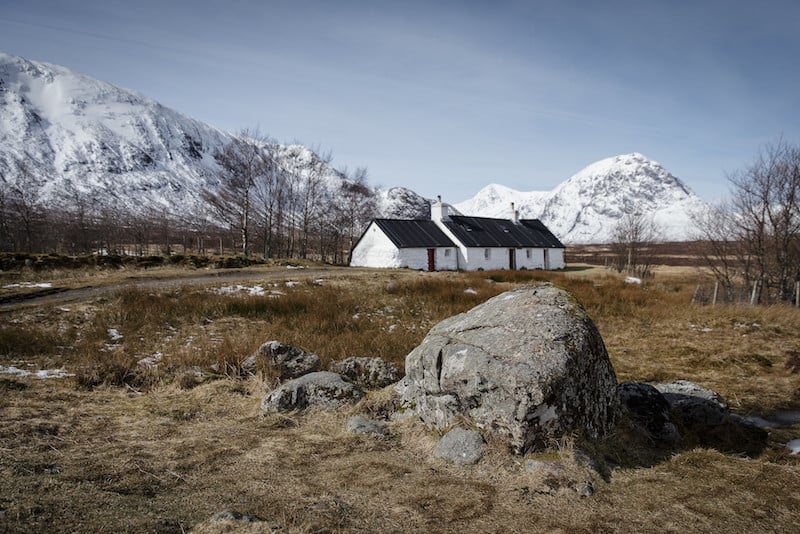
(72, 138)
(87, 137)
(586, 207)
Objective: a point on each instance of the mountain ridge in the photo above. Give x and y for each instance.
(586, 207)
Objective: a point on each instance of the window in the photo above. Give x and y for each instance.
(447, 253)
(528, 253)
(487, 253)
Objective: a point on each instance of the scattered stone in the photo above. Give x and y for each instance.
(528, 365)
(460, 446)
(322, 389)
(649, 409)
(361, 425)
(230, 515)
(585, 490)
(553, 467)
(249, 365)
(368, 373)
(288, 361)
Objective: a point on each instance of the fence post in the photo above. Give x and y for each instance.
(696, 291)
(797, 294)
(714, 298)
(753, 296)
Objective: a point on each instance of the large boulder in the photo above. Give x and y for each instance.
(528, 365)
(321, 389)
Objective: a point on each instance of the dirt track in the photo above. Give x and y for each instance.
(60, 295)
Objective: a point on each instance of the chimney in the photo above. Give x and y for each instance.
(439, 209)
(514, 214)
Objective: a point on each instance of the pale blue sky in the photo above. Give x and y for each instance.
(445, 97)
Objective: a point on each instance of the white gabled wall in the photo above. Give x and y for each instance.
(375, 249)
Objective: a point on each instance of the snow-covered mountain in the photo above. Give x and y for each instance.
(402, 203)
(68, 136)
(586, 207)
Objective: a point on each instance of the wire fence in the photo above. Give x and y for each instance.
(739, 294)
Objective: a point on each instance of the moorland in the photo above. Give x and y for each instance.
(154, 425)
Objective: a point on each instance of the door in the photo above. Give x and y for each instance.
(546, 259)
(512, 259)
(431, 259)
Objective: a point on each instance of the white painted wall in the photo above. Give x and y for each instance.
(375, 249)
(499, 258)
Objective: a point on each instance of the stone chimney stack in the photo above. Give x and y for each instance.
(439, 210)
(514, 214)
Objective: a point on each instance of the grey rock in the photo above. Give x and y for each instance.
(552, 467)
(584, 490)
(367, 373)
(528, 365)
(230, 515)
(706, 417)
(288, 361)
(361, 425)
(322, 389)
(693, 403)
(649, 409)
(460, 446)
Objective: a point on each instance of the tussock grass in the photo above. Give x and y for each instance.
(163, 448)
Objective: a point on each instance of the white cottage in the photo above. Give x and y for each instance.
(416, 244)
(450, 241)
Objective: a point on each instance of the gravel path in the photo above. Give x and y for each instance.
(59, 295)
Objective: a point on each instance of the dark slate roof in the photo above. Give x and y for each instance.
(485, 232)
(414, 233)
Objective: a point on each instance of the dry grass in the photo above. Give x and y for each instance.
(123, 447)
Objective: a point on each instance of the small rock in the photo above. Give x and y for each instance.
(323, 389)
(461, 447)
(368, 373)
(230, 515)
(794, 446)
(361, 425)
(552, 467)
(585, 490)
(288, 361)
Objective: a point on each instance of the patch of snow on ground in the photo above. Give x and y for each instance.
(470, 291)
(28, 285)
(291, 283)
(114, 334)
(151, 361)
(254, 291)
(41, 374)
(794, 446)
(633, 280)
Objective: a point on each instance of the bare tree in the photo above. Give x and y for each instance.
(24, 213)
(242, 162)
(271, 191)
(632, 241)
(357, 207)
(754, 238)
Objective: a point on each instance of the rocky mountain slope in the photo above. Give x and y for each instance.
(65, 136)
(586, 207)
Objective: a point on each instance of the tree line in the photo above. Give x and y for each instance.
(268, 200)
